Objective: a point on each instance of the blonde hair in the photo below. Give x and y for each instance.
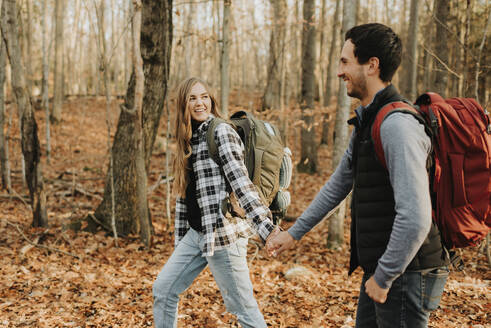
(183, 132)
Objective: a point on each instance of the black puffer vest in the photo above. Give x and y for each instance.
(373, 206)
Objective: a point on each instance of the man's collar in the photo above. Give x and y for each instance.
(376, 95)
(361, 109)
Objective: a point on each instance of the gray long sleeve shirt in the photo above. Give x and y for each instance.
(406, 148)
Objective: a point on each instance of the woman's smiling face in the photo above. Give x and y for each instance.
(199, 103)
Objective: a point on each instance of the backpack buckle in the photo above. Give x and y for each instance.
(456, 261)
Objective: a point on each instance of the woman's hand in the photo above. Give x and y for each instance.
(271, 236)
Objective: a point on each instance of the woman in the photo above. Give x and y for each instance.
(203, 235)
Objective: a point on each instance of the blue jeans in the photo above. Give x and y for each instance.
(410, 300)
(231, 273)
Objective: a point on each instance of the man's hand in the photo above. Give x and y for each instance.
(279, 243)
(375, 292)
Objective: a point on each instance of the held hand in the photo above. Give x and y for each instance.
(279, 243)
(375, 292)
(273, 234)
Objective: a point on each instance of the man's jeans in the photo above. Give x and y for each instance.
(410, 300)
(229, 268)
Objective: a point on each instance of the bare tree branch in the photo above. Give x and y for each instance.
(440, 61)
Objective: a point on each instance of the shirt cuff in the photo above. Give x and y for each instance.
(382, 279)
(264, 229)
(297, 235)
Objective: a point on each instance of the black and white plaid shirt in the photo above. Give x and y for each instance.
(211, 190)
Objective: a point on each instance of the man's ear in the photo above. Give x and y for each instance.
(373, 66)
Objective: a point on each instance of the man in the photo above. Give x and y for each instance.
(393, 238)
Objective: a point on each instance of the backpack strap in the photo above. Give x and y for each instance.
(424, 101)
(384, 112)
(210, 138)
(213, 151)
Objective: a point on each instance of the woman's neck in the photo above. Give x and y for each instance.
(195, 125)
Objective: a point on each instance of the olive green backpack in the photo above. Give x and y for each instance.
(267, 159)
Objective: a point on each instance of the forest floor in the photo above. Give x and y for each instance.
(109, 286)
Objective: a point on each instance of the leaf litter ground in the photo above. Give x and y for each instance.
(108, 286)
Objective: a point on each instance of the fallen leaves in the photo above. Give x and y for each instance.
(112, 287)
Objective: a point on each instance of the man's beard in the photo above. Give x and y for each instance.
(358, 86)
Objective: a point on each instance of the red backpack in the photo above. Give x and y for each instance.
(461, 164)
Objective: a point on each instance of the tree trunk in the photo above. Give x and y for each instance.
(401, 78)
(297, 51)
(4, 163)
(335, 233)
(45, 67)
(156, 46)
(115, 67)
(331, 62)
(410, 59)
(224, 59)
(45, 77)
(168, 154)
(403, 20)
(478, 64)
(29, 138)
(442, 8)
(272, 93)
(464, 90)
(58, 77)
(428, 41)
(141, 172)
(156, 43)
(387, 13)
(71, 51)
(188, 35)
(102, 46)
(454, 53)
(28, 62)
(321, 68)
(238, 60)
(215, 12)
(127, 66)
(83, 79)
(308, 161)
(330, 74)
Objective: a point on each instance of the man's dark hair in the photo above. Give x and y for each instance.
(377, 40)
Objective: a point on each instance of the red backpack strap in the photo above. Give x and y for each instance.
(398, 106)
